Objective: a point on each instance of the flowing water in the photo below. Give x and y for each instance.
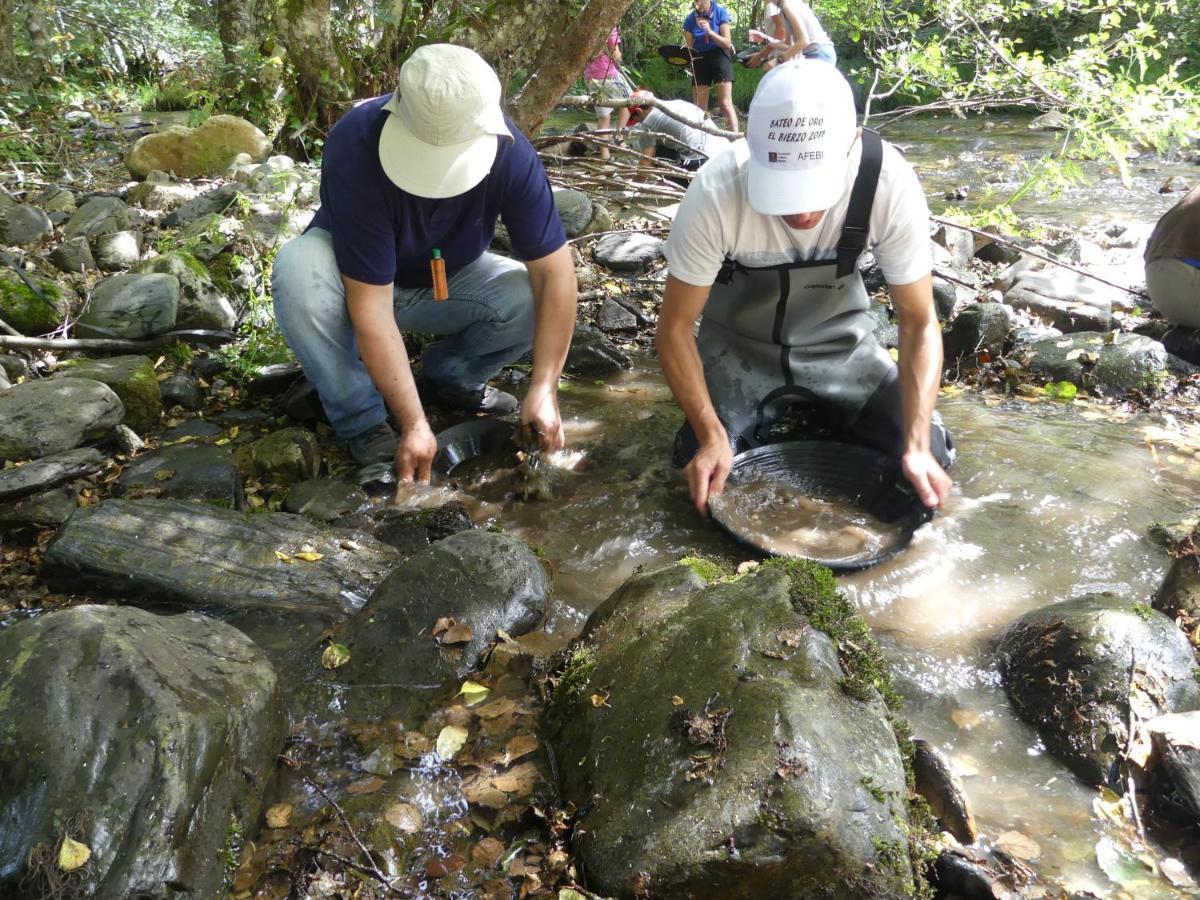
(1051, 500)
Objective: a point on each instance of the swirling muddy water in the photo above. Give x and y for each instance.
(1051, 500)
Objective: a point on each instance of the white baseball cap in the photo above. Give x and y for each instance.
(801, 126)
(440, 137)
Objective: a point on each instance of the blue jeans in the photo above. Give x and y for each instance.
(824, 52)
(488, 323)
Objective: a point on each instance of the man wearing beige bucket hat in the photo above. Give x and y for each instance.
(412, 184)
(765, 245)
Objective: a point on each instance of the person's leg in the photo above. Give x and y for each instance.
(488, 322)
(725, 104)
(880, 424)
(700, 95)
(603, 123)
(310, 307)
(1174, 288)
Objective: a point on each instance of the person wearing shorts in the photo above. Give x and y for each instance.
(706, 31)
(604, 80)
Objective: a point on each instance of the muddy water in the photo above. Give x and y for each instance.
(1051, 500)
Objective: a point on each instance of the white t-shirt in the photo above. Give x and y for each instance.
(812, 25)
(660, 123)
(715, 220)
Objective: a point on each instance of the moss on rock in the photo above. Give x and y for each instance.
(132, 378)
(25, 311)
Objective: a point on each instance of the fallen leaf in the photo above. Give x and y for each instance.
(221, 442)
(570, 894)
(440, 868)
(309, 556)
(282, 557)
(405, 817)
(1076, 353)
(496, 708)
(335, 655)
(279, 815)
(450, 740)
(521, 745)
(72, 854)
(600, 699)
(518, 780)
(365, 785)
(1019, 844)
(442, 624)
(676, 700)
(457, 633)
(965, 718)
(488, 852)
(473, 692)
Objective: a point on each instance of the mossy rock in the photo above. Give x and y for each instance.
(25, 311)
(288, 456)
(201, 303)
(195, 152)
(132, 378)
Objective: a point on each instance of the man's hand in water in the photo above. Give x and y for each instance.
(414, 454)
(707, 471)
(927, 477)
(540, 414)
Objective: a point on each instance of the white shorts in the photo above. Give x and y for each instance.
(614, 88)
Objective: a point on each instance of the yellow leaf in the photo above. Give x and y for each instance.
(473, 691)
(676, 700)
(72, 854)
(599, 700)
(279, 815)
(221, 442)
(450, 741)
(282, 557)
(335, 655)
(233, 432)
(309, 556)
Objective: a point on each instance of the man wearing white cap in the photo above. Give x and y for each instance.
(764, 246)
(411, 187)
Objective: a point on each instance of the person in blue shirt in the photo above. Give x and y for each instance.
(407, 177)
(706, 31)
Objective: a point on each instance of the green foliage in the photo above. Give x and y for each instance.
(1060, 390)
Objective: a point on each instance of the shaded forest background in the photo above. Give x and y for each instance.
(1119, 70)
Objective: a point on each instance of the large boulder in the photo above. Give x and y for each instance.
(215, 201)
(981, 327)
(186, 471)
(43, 474)
(237, 565)
(1072, 670)
(287, 456)
(51, 415)
(146, 739)
(132, 378)
(1117, 362)
(201, 303)
(132, 306)
(32, 311)
(485, 581)
(710, 739)
(196, 152)
(1067, 300)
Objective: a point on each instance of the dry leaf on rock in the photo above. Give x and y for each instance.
(73, 854)
(405, 817)
(457, 633)
(1019, 844)
(521, 745)
(440, 868)
(488, 852)
(518, 780)
(279, 815)
(335, 656)
(442, 624)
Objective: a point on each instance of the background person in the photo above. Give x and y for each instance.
(706, 31)
(790, 27)
(695, 146)
(428, 167)
(1173, 275)
(764, 245)
(604, 79)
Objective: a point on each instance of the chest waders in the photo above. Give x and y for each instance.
(797, 331)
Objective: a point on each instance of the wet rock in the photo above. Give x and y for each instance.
(613, 318)
(1179, 594)
(132, 306)
(325, 499)
(1127, 362)
(23, 224)
(872, 275)
(188, 471)
(181, 389)
(483, 580)
(886, 331)
(272, 380)
(971, 873)
(127, 439)
(196, 152)
(768, 780)
(627, 252)
(1176, 184)
(132, 378)
(1176, 740)
(575, 210)
(941, 787)
(958, 242)
(73, 255)
(201, 303)
(45, 510)
(215, 201)
(1067, 668)
(52, 415)
(28, 310)
(99, 215)
(192, 429)
(1054, 120)
(43, 474)
(161, 197)
(945, 296)
(980, 327)
(209, 237)
(1068, 301)
(118, 250)
(287, 456)
(995, 252)
(411, 532)
(154, 738)
(592, 355)
(217, 560)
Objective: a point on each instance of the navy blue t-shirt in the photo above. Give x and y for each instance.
(383, 235)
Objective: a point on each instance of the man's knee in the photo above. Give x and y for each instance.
(304, 270)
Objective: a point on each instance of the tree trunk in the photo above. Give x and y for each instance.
(561, 57)
(235, 24)
(39, 25)
(8, 53)
(321, 82)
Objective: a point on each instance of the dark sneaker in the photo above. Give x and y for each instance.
(487, 399)
(374, 445)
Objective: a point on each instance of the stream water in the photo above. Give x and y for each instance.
(1051, 500)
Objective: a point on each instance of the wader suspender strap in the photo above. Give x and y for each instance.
(853, 239)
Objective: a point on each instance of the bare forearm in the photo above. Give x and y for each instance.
(555, 293)
(920, 377)
(387, 363)
(802, 40)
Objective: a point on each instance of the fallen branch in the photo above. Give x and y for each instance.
(370, 868)
(119, 345)
(707, 126)
(1008, 242)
